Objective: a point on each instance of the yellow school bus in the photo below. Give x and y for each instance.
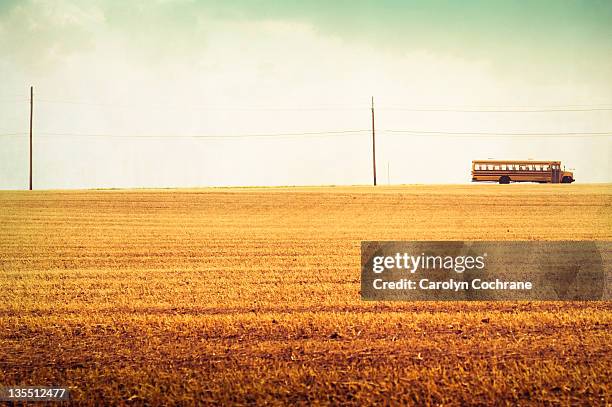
(506, 172)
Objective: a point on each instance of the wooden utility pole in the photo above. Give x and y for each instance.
(373, 143)
(31, 114)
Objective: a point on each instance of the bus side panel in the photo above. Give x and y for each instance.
(515, 176)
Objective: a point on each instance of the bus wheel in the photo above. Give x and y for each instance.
(504, 179)
(566, 180)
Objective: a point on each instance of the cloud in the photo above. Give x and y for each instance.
(516, 38)
(37, 34)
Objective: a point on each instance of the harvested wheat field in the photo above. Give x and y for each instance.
(251, 295)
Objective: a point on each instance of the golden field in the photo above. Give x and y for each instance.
(251, 295)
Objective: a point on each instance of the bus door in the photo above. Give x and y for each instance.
(556, 174)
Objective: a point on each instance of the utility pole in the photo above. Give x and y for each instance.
(373, 143)
(31, 114)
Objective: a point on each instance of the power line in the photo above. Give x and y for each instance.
(203, 107)
(12, 134)
(509, 110)
(258, 135)
(343, 133)
(475, 109)
(478, 134)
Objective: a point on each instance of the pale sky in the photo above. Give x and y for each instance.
(127, 92)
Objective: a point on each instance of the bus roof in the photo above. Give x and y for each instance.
(514, 162)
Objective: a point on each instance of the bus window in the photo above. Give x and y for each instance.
(490, 167)
(503, 167)
(537, 167)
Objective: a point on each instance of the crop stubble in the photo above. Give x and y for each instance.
(250, 295)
